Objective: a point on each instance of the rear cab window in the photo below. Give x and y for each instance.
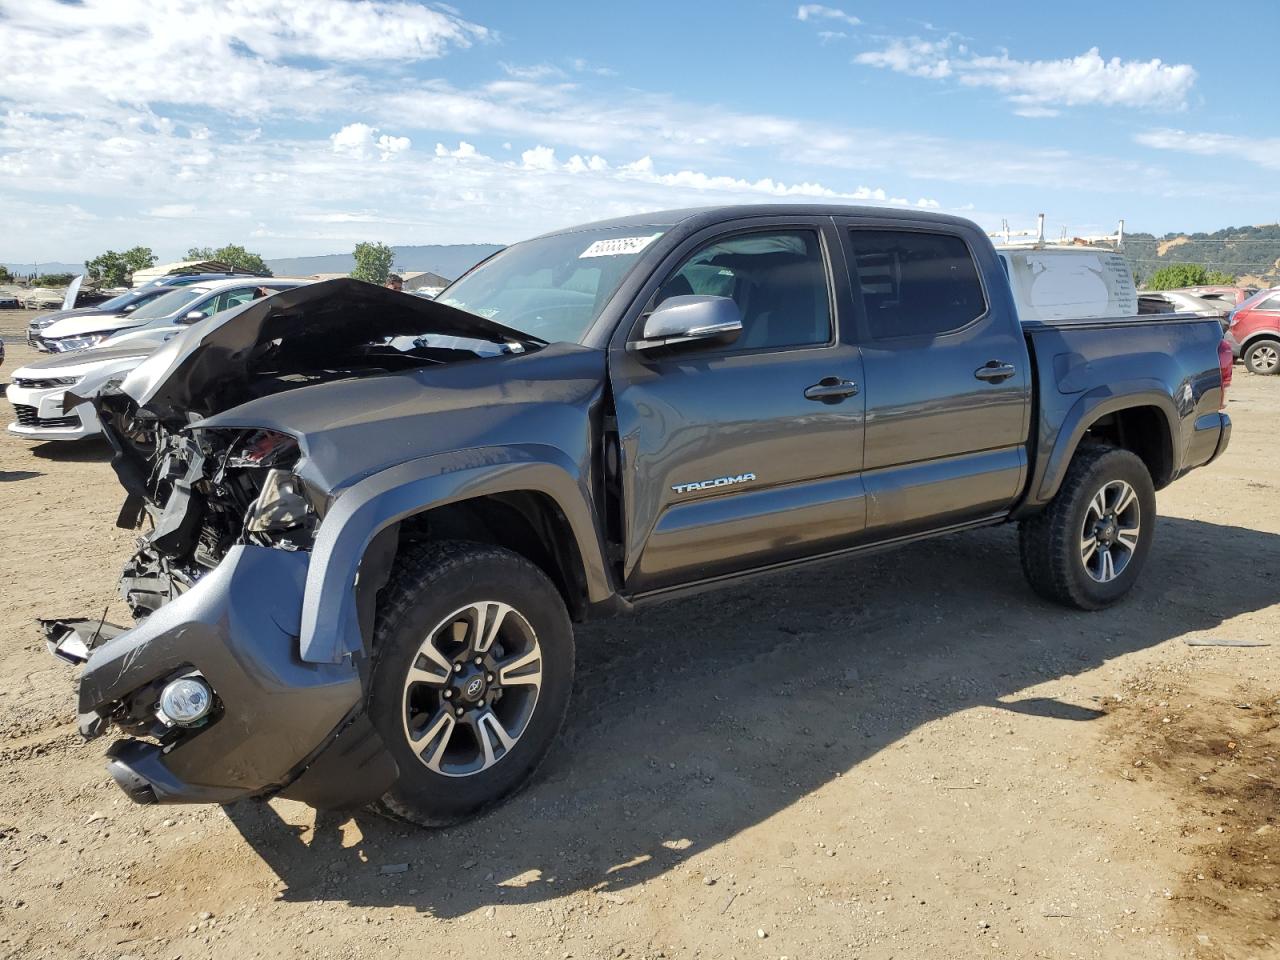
(915, 283)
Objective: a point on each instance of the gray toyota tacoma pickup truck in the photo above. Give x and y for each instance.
(371, 520)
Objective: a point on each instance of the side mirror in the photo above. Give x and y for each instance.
(689, 320)
(192, 317)
(130, 308)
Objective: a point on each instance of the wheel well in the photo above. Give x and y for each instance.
(526, 522)
(1143, 431)
(1260, 335)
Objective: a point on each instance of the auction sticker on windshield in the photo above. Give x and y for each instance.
(617, 246)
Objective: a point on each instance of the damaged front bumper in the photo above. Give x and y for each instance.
(280, 725)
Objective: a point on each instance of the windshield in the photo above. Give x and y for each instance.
(553, 287)
(125, 299)
(120, 302)
(168, 304)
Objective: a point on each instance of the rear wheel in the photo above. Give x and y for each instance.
(1263, 356)
(472, 678)
(1087, 547)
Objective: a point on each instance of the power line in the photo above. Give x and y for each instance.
(1215, 263)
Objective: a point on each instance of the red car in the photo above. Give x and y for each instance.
(1253, 330)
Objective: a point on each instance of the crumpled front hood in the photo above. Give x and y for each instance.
(320, 318)
(77, 324)
(351, 428)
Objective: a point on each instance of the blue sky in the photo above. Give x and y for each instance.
(303, 126)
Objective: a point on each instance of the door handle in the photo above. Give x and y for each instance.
(831, 390)
(994, 371)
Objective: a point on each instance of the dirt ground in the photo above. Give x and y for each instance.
(907, 756)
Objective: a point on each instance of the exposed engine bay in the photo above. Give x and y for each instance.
(197, 491)
(205, 493)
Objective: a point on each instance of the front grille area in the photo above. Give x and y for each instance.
(28, 417)
(30, 384)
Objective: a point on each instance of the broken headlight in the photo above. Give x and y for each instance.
(281, 506)
(281, 514)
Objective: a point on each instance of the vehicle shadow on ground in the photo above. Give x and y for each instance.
(8, 476)
(698, 719)
(88, 450)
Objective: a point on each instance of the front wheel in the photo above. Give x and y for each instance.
(473, 670)
(1263, 357)
(1087, 547)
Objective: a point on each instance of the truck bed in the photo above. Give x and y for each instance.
(1168, 362)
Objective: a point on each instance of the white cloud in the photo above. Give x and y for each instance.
(1263, 151)
(464, 151)
(248, 57)
(644, 170)
(537, 71)
(171, 210)
(538, 158)
(309, 196)
(1036, 87)
(126, 146)
(362, 141)
(916, 57)
(816, 12)
(595, 163)
(583, 66)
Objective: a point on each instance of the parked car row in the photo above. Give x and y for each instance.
(92, 348)
(1250, 318)
(124, 305)
(1182, 301)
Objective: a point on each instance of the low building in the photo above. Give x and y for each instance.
(143, 277)
(427, 279)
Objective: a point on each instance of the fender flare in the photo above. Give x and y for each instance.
(330, 627)
(1267, 334)
(1097, 403)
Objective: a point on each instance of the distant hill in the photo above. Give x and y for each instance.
(448, 260)
(26, 269)
(1252, 254)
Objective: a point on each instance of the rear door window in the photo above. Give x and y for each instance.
(915, 284)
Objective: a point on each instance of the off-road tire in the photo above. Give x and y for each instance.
(1260, 357)
(1049, 542)
(428, 582)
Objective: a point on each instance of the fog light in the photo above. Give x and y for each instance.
(185, 702)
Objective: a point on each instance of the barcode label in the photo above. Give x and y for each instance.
(617, 247)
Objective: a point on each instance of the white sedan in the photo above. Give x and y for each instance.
(37, 390)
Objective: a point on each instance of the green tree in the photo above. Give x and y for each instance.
(373, 262)
(234, 256)
(113, 269)
(5, 275)
(56, 279)
(1177, 275)
(139, 258)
